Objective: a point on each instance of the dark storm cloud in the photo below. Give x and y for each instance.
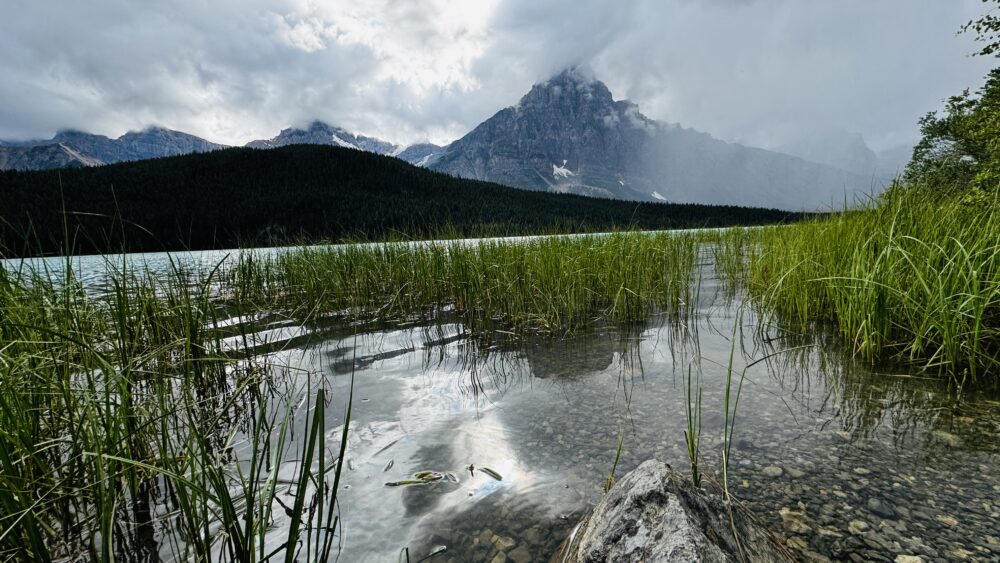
(760, 71)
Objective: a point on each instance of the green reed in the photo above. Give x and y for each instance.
(911, 277)
(134, 412)
(692, 435)
(123, 414)
(548, 284)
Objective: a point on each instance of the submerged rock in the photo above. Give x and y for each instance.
(772, 471)
(655, 515)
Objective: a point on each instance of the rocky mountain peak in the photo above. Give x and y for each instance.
(571, 88)
(64, 135)
(319, 132)
(569, 135)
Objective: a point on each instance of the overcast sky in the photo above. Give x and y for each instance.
(757, 71)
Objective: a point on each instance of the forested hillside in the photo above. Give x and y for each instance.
(299, 193)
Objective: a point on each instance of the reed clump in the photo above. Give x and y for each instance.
(129, 411)
(912, 277)
(550, 284)
(124, 418)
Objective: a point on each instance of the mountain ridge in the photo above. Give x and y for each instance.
(79, 148)
(569, 135)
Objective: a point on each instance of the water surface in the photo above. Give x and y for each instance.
(844, 460)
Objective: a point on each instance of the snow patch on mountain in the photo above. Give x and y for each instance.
(340, 142)
(561, 171)
(657, 195)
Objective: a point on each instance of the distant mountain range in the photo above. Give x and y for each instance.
(70, 149)
(567, 135)
(848, 151)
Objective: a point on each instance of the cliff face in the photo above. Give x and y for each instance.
(43, 157)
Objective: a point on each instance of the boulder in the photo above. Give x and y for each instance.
(656, 515)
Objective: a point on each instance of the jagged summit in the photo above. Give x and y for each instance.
(570, 86)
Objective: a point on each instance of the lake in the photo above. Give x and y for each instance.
(845, 460)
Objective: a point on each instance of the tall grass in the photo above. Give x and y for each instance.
(912, 277)
(548, 284)
(128, 414)
(123, 418)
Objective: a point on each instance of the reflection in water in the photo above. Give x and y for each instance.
(546, 411)
(877, 463)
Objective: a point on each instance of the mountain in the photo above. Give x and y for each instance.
(157, 142)
(241, 197)
(421, 154)
(837, 148)
(569, 135)
(849, 151)
(42, 157)
(319, 133)
(77, 148)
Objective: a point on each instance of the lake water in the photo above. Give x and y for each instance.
(845, 460)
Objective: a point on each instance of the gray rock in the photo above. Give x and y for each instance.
(772, 471)
(795, 522)
(520, 555)
(655, 515)
(880, 508)
(857, 527)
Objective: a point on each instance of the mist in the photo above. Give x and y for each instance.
(761, 72)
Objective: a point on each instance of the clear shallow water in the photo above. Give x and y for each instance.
(844, 460)
(841, 460)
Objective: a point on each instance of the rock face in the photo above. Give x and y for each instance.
(156, 142)
(43, 157)
(421, 154)
(655, 515)
(71, 148)
(569, 135)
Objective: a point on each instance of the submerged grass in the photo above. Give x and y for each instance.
(911, 277)
(131, 424)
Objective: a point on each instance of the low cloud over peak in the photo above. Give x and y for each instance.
(763, 72)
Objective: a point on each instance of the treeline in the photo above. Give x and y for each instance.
(302, 193)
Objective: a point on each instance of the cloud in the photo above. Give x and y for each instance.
(759, 71)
